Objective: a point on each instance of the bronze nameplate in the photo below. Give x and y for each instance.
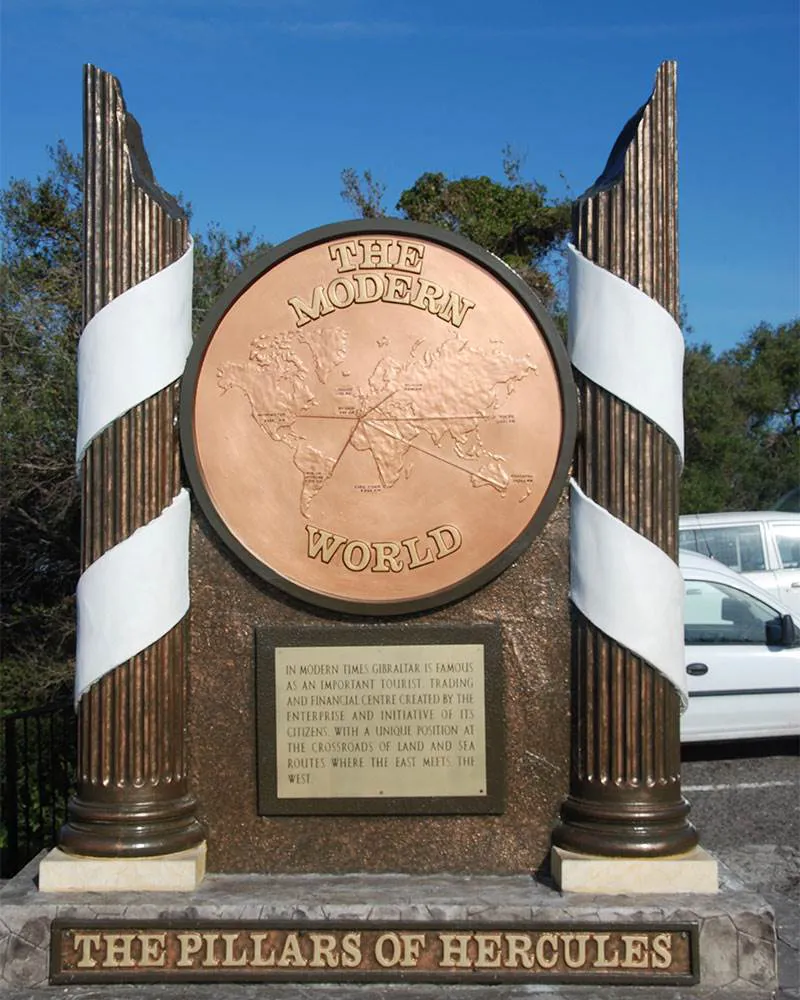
(379, 719)
(237, 951)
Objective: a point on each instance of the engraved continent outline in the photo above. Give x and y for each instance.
(444, 392)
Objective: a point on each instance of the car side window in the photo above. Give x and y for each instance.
(738, 546)
(716, 613)
(787, 538)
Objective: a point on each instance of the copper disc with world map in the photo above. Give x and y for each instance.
(378, 417)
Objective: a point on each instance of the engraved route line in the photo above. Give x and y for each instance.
(372, 419)
(430, 454)
(376, 423)
(405, 420)
(355, 427)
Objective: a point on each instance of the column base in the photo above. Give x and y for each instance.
(179, 872)
(107, 827)
(693, 872)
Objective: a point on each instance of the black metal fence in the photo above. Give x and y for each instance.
(37, 767)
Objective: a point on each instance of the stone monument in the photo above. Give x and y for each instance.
(377, 421)
(346, 672)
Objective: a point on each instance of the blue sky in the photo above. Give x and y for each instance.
(252, 108)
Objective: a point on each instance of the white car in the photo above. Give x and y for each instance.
(763, 545)
(742, 656)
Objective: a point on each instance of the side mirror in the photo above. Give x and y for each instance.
(782, 631)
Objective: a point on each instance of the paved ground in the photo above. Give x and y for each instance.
(745, 801)
(774, 872)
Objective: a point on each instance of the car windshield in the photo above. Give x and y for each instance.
(737, 545)
(718, 613)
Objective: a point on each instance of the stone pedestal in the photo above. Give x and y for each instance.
(179, 872)
(736, 928)
(694, 872)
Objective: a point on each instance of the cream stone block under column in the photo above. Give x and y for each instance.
(695, 872)
(179, 872)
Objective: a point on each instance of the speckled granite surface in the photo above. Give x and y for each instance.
(529, 600)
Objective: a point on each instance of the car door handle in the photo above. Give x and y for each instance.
(796, 583)
(697, 669)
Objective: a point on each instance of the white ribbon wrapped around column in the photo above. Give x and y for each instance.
(134, 347)
(138, 590)
(627, 587)
(625, 342)
(133, 594)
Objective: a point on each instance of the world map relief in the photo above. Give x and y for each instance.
(433, 402)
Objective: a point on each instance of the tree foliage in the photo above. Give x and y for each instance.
(514, 220)
(218, 258)
(742, 418)
(40, 324)
(364, 193)
(742, 408)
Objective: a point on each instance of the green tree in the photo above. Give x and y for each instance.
(742, 418)
(767, 365)
(40, 324)
(515, 220)
(364, 193)
(218, 258)
(742, 408)
(716, 445)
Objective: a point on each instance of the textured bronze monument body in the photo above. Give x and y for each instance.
(625, 796)
(378, 418)
(132, 796)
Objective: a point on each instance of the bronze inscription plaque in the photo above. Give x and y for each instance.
(376, 719)
(388, 720)
(201, 951)
(378, 417)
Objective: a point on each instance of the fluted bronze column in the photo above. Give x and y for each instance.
(132, 797)
(625, 794)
